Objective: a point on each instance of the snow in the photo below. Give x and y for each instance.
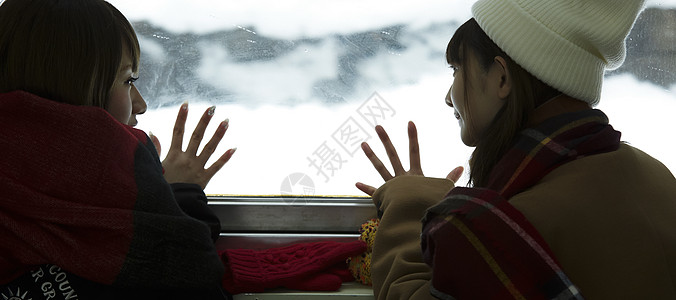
(267, 81)
(276, 141)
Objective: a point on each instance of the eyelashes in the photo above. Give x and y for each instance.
(454, 68)
(131, 80)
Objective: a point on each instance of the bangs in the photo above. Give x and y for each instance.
(470, 37)
(455, 45)
(128, 37)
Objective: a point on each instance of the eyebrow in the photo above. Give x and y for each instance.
(125, 67)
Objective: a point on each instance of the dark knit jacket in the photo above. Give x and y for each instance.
(51, 282)
(85, 212)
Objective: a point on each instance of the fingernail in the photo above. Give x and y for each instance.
(232, 151)
(225, 124)
(184, 106)
(211, 110)
(150, 133)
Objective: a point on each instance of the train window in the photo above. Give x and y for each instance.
(303, 82)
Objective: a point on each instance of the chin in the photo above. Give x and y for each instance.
(465, 135)
(468, 140)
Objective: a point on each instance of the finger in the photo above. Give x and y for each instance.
(156, 143)
(216, 166)
(389, 149)
(198, 133)
(375, 161)
(367, 189)
(210, 147)
(455, 174)
(179, 128)
(414, 149)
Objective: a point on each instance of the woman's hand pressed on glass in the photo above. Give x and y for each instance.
(187, 166)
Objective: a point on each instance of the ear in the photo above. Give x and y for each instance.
(503, 77)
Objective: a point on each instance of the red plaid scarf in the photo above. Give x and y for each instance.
(490, 250)
(84, 192)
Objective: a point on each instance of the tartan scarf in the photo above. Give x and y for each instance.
(491, 251)
(82, 191)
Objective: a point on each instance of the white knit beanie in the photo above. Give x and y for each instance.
(567, 44)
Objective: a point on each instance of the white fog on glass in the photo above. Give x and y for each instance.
(314, 69)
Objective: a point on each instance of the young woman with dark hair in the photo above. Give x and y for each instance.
(87, 210)
(558, 207)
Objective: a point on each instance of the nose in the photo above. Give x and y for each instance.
(448, 97)
(138, 104)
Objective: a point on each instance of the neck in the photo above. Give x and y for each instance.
(558, 105)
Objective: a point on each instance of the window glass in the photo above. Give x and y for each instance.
(304, 81)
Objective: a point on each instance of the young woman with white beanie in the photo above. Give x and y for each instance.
(558, 207)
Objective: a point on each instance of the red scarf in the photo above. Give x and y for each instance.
(82, 191)
(490, 250)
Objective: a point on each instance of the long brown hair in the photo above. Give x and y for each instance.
(66, 51)
(527, 93)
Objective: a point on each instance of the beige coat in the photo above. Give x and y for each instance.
(610, 220)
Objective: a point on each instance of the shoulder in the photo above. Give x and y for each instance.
(605, 208)
(627, 169)
(595, 189)
(599, 195)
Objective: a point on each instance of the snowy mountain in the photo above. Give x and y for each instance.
(239, 64)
